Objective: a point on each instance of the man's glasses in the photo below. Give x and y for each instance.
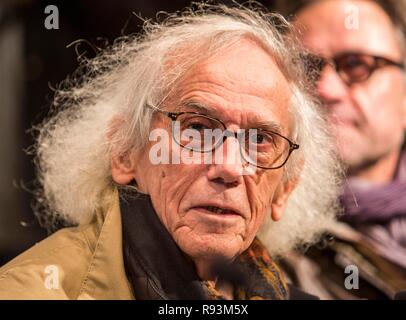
(352, 67)
(201, 133)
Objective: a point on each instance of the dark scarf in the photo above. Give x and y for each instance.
(379, 212)
(158, 269)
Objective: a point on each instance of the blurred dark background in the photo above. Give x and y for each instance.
(32, 61)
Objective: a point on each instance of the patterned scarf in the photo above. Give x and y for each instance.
(158, 269)
(262, 277)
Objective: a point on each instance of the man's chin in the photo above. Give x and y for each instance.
(212, 246)
(350, 153)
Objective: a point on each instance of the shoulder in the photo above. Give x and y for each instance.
(51, 269)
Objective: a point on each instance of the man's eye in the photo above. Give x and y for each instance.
(197, 126)
(261, 138)
(352, 63)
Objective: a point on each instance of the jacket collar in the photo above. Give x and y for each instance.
(106, 277)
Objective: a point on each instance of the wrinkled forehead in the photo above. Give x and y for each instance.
(357, 25)
(243, 80)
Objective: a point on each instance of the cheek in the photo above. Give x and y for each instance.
(260, 191)
(384, 100)
(169, 192)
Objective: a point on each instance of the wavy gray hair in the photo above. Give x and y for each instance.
(75, 144)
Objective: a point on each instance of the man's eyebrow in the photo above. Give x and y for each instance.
(254, 124)
(200, 107)
(269, 126)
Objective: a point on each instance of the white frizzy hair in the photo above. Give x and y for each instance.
(101, 111)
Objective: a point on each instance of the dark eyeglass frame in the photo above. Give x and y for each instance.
(378, 62)
(226, 133)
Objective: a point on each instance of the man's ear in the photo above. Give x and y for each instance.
(281, 196)
(123, 168)
(122, 164)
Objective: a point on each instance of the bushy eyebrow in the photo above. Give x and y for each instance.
(270, 126)
(200, 107)
(210, 111)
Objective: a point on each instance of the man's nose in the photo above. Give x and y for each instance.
(228, 164)
(331, 88)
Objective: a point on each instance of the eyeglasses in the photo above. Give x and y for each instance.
(201, 133)
(352, 67)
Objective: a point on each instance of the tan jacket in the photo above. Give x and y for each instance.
(74, 263)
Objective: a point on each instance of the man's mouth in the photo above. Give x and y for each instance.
(217, 210)
(344, 121)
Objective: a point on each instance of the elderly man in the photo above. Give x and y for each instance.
(362, 45)
(201, 223)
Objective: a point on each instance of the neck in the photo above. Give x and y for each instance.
(381, 171)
